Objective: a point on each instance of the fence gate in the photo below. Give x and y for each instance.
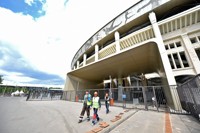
(145, 97)
(135, 96)
(189, 94)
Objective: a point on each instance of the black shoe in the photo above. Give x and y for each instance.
(79, 121)
(93, 123)
(98, 119)
(88, 119)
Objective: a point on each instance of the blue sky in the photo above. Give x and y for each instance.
(26, 7)
(38, 38)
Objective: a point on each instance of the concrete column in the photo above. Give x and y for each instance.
(144, 80)
(84, 59)
(129, 80)
(191, 52)
(161, 47)
(117, 39)
(77, 63)
(165, 61)
(96, 52)
(120, 89)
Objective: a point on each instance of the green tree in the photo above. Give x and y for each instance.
(1, 79)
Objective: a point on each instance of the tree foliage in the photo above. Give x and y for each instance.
(1, 79)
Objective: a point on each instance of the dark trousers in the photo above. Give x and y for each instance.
(85, 108)
(95, 116)
(107, 107)
(124, 103)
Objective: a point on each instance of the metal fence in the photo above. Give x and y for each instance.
(44, 94)
(140, 97)
(158, 98)
(189, 94)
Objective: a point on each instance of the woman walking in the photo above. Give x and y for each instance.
(107, 102)
(96, 104)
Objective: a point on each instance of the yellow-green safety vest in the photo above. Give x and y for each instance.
(95, 101)
(89, 102)
(87, 99)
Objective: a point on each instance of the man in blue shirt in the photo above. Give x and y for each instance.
(86, 106)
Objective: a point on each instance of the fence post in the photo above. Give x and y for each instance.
(145, 98)
(155, 98)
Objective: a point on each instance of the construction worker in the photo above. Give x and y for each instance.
(86, 106)
(96, 105)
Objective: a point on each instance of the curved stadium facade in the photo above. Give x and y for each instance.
(155, 39)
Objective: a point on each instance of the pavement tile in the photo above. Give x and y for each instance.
(101, 123)
(114, 120)
(96, 130)
(126, 110)
(121, 113)
(104, 125)
(90, 132)
(118, 117)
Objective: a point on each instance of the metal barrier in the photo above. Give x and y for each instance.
(189, 94)
(157, 98)
(44, 94)
(140, 97)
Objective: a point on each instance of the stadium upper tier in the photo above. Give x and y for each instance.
(135, 21)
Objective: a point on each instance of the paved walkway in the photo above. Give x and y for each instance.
(21, 116)
(155, 122)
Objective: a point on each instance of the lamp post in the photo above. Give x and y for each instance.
(110, 90)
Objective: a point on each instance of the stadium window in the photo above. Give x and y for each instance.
(166, 47)
(184, 59)
(171, 45)
(198, 52)
(193, 40)
(178, 44)
(171, 62)
(198, 38)
(176, 59)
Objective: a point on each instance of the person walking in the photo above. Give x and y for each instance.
(124, 100)
(86, 106)
(154, 101)
(107, 102)
(96, 105)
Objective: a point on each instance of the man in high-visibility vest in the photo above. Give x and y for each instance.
(86, 106)
(96, 105)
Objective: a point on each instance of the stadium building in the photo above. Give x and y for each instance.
(153, 43)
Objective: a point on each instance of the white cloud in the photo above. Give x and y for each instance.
(51, 41)
(29, 2)
(15, 77)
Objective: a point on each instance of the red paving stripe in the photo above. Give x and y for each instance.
(168, 127)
